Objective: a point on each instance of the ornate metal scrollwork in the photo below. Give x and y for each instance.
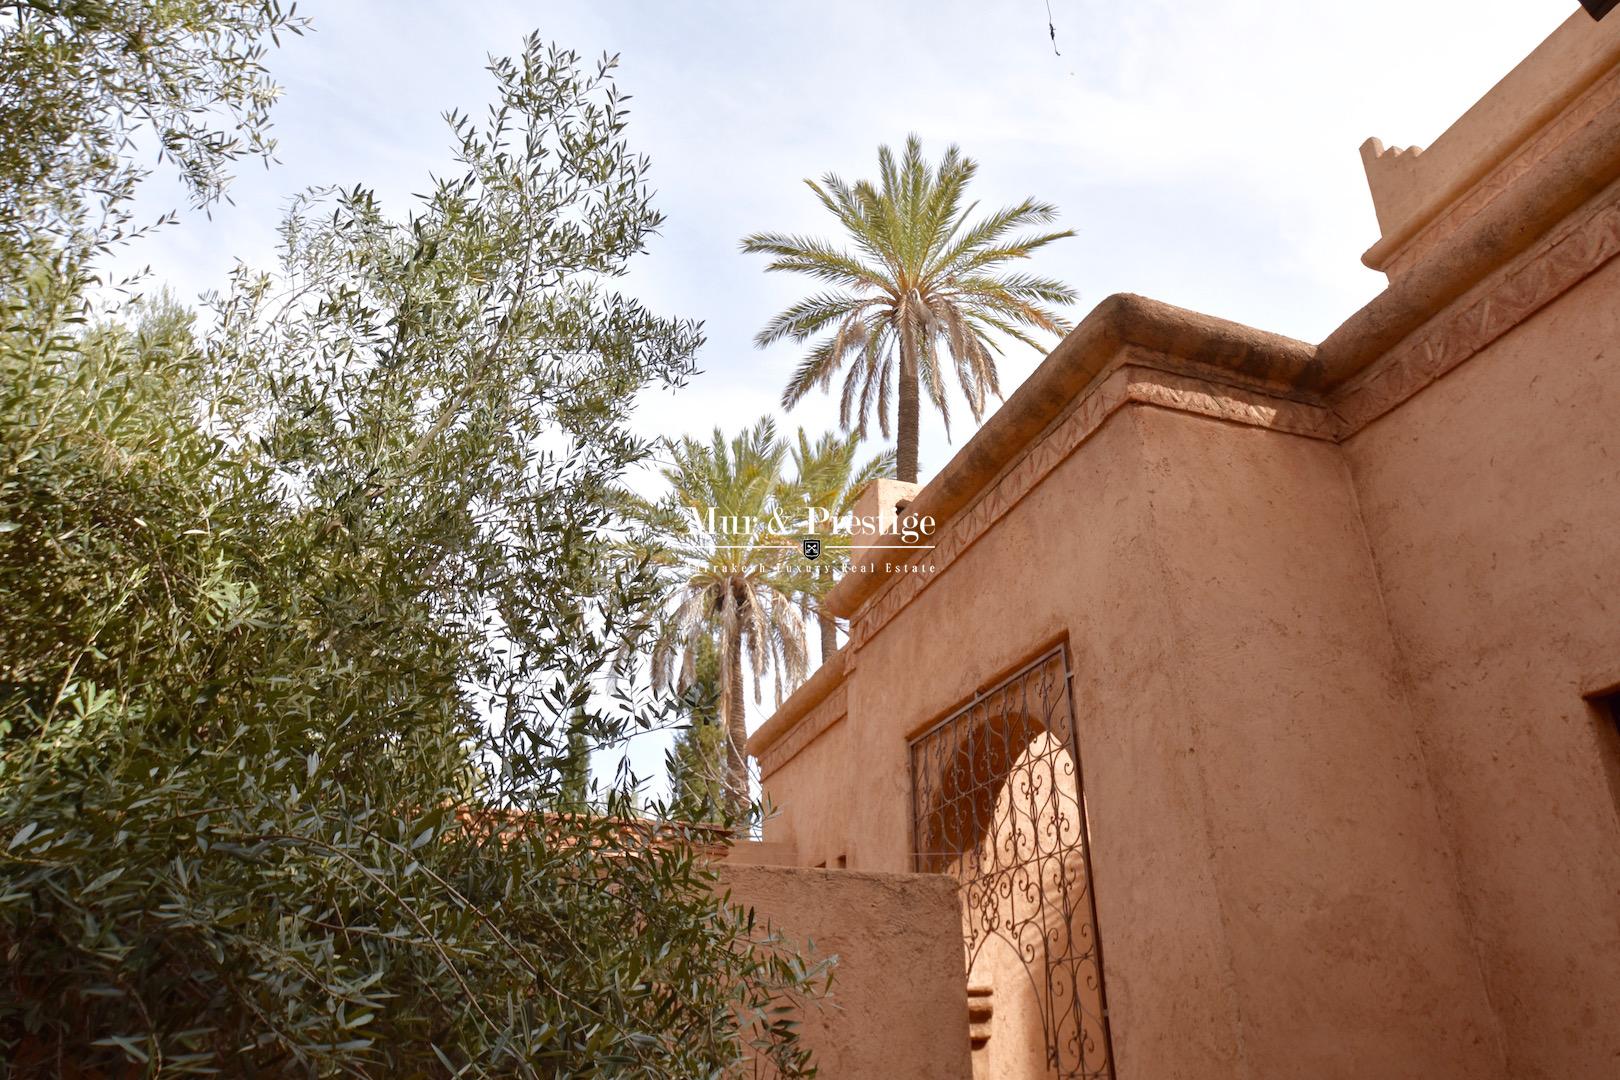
(997, 802)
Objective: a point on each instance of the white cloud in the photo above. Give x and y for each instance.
(1207, 153)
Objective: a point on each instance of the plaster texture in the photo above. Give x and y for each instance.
(898, 1005)
(1251, 795)
(1413, 188)
(1335, 616)
(1491, 503)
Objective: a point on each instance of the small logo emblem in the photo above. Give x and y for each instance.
(812, 547)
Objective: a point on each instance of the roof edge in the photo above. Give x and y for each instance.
(812, 692)
(1531, 206)
(1121, 320)
(1413, 188)
(1527, 209)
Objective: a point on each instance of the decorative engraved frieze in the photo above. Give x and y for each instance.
(1602, 96)
(1128, 383)
(1513, 294)
(1489, 310)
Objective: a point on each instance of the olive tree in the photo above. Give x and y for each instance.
(305, 609)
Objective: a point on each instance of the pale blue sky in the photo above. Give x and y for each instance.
(1205, 152)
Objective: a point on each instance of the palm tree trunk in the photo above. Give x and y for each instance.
(736, 725)
(829, 635)
(905, 450)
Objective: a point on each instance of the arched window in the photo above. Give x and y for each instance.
(998, 803)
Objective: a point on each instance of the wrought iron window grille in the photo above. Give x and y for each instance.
(998, 802)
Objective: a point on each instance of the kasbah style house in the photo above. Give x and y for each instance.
(1258, 719)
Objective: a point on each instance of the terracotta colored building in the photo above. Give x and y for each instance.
(1259, 695)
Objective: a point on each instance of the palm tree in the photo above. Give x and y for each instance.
(826, 478)
(694, 764)
(735, 586)
(919, 288)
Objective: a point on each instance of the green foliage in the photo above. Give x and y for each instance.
(732, 585)
(81, 80)
(826, 474)
(696, 762)
(918, 296)
(265, 589)
(574, 787)
(827, 478)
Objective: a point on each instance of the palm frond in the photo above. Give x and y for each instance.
(921, 281)
(813, 314)
(977, 246)
(1025, 288)
(807, 255)
(812, 373)
(846, 204)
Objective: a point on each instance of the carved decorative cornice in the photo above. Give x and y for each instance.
(1469, 325)
(1492, 308)
(1603, 96)
(1130, 383)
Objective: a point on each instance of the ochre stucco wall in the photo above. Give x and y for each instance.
(1332, 613)
(825, 811)
(898, 1005)
(1339, 902)
(1254, 792)
(1492, 505)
